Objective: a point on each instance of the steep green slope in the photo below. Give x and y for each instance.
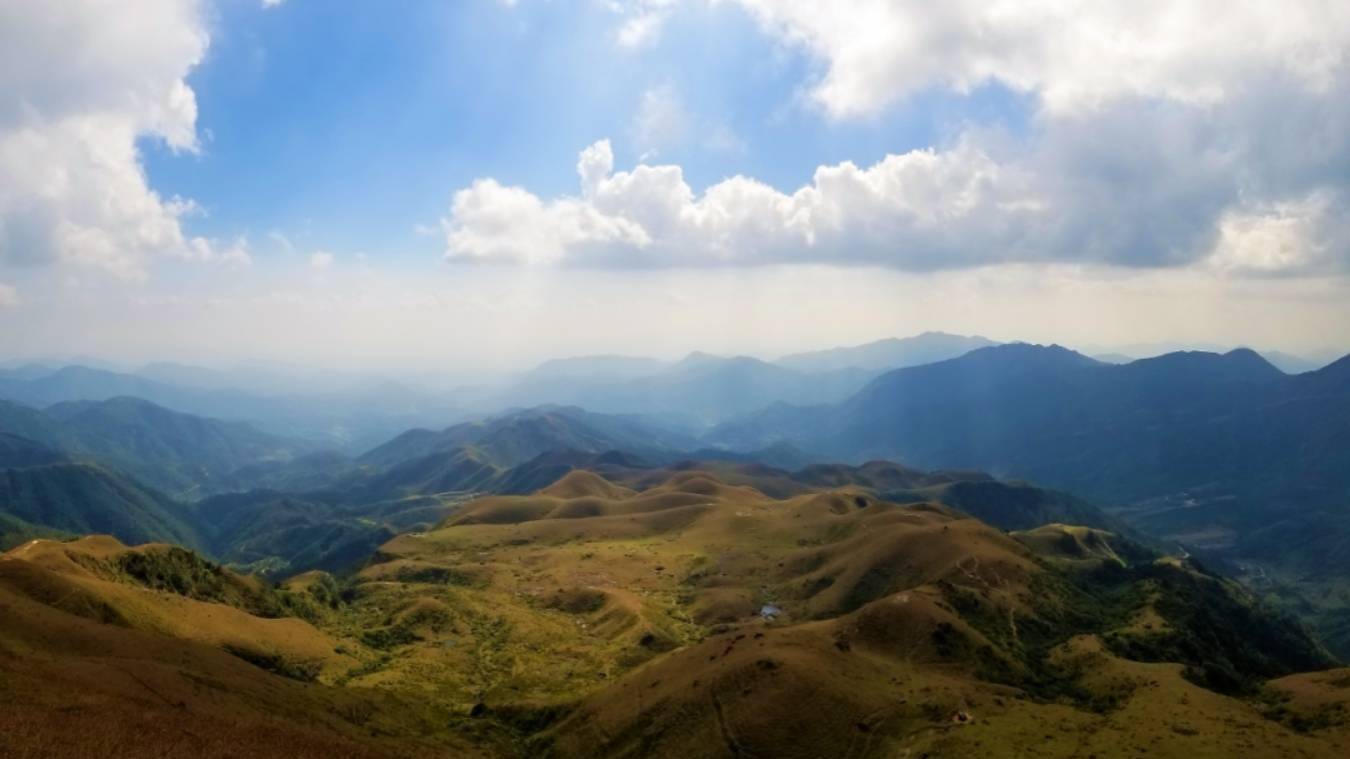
(14, 531)
(16, 451)
(277, 534)
(31, 424)
(1013, 505)
(84, 498)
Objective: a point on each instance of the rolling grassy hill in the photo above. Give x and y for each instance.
(334, 528)
(668, 613)
(722, 610)
(124, 652)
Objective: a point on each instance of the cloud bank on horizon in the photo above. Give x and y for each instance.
(1163, 134)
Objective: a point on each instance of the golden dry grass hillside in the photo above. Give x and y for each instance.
(677, 613)
(95, 667)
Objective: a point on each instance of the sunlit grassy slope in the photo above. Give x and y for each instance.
(677, 613)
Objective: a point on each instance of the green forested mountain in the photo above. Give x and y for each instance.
(18, 451)
(80, 498)
(184, 455)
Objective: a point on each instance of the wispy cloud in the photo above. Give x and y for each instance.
(642, 21)
(320, 260)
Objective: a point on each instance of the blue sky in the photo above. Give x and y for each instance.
(347, 127)
(486, 182)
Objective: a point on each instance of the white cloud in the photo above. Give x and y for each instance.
(320, 260)
(1072, 54)
(82, 80)
(641, 29)
(271, 3)
(1161, 134)
(1089, 190)
(490, 223)
(237, 253)
(921, 210)
(642, 21)
(1285, 236)
(9, 297)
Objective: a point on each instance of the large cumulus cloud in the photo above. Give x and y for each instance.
(1163, 134)
(83, 80)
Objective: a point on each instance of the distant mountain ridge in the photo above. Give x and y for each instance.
(693, 392)
(607, 366)
(352, 418)
(1223, 452)
(890, 353)
(702, 388)
(353, 413)
(184, 455)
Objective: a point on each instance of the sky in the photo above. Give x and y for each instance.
(484, 183)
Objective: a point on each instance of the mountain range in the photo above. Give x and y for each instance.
(253, 499)
(1230, 430)
(184, 455)
(1221, 453)
(353, 414)
(943, 561)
